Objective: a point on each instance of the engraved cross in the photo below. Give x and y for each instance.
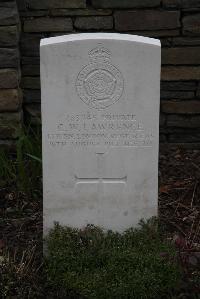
(100, 176)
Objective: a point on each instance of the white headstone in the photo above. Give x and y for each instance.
(100, 119)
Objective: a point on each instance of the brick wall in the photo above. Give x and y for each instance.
(175, 22)
(10, 94)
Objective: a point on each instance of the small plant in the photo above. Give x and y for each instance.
(7, 168)
(95, 264)
(23, 167)
(19, 275)
(29, 159)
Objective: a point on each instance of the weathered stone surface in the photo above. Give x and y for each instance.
(146, 20)
(52, 34)
(31, 70)
(172, 3)
(80, 12)
(181, 3)
(173, 73)
(30, 60)
(8, 3)
(9, 57)
(158, 33)
(187, 55)
(9, 36)
(10, 99)
(30, 43)
(171, 88)
(97, 23)
(185, 136)
(191, 10)
(167, 94)
(171, 130)
(186, 41)
(9, 78)
(180, 85)
(162, 119)
(166, 41)
(33, 112)
(191, 24)
(162, 138)
(48, 25)
(46, 4)
(10, 124)
(33, 13)
(21, 5)
(32, 95)
(163, 129)
(198, 90)
(184, 145)
(125, 3)
(31, 82)
(8, 13)
(109, 83)
(8, 145)
(181, 107)
(183, 121)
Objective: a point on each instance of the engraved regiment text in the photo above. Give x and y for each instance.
(100, 129)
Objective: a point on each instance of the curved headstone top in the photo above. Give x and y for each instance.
(100, 122)
(96, 36)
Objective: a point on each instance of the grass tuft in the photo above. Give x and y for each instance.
(98, 265)
(24, 167)
(19, 275)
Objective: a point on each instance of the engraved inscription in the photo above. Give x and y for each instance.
(99, 84)
(100, 129)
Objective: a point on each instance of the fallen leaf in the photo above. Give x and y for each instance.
(164, 189)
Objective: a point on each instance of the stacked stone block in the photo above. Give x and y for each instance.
(10, 93)
(175, 22)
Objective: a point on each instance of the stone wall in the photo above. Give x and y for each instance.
(175, 22)
(10, 93)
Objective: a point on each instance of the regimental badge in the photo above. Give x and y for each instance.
(99, 84)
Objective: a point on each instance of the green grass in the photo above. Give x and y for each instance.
(98, 265)
(24, 166)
